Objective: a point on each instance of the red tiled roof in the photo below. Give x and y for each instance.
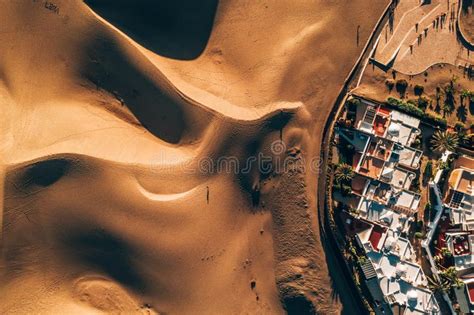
(353, 225)
(376, 235)
(470, 289)
(384, 111)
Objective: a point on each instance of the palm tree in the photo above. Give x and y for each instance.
(465, 94)
(444, 141)
(344, 173)
(451, 276)
(436, 284)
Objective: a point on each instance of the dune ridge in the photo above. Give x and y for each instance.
(101, 153)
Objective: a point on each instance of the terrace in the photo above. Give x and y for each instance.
(397, 177)
(459, 244)
(463, 262)
(353, 225)
(378, 191)
(366, 123)
(359, 184)
(416, 300)
(399, 246)
(465, 162)
(381, 122)
(466, 183)
(380, 148)
(371, 236)
(385, 123)
(462, 181)
(402, 283)
(409, 157)
(465, 296)
(439, 239)
(391, 266)
(371, 167)
(401, 133)
(405, 202)
(372, 118)
(376, 236)
(375, 212)
(358, 139)
(403, 128)
(381, 163)
(462, 216)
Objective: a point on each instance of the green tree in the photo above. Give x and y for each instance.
(451, 276)
(418, 90)
(423, 102)
(449, 100)
(446, 252)
(443, 165)
(390, 84)
(461, 131)
(442, 141)
(401, 87)
(343, 174)
(466, 94)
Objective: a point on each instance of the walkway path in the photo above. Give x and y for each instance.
(441, 45)
(407, 30)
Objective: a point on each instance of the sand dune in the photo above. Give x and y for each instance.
(112, 134)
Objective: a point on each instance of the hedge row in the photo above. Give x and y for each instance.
(413, 110)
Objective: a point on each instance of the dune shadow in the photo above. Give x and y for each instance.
(143, 90)
(105, 253)
(343, 288)
(178, 29)
(298, 305)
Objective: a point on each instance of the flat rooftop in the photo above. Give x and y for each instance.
(408, 200)
(466, 183)
(410, 157)
(407, 120)
(391, 266)
(401, 133)
(397, 177)
(375, 212)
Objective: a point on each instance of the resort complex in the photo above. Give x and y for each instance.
(406, 212)
(381, 204)
(400, 193)
(450, 246)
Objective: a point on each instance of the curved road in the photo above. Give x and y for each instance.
(343, 283)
